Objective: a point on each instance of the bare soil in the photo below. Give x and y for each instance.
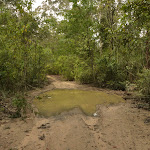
(120, 126)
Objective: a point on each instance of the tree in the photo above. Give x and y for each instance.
(137, 13)
(20, 54)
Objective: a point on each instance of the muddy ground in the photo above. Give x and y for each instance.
(120, 127)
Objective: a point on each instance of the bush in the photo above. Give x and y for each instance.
(65, 65)
(83, 73)
(52, 69)
(20, 103)
(143, 82)
(109, 74)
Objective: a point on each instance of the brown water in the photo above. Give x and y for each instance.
(56, 101)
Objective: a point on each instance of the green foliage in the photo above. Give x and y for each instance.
(20, 103)
(109, 74)
(82, 72)
(71, 68)
(143, 82)
(137, 15)
(21, 58)
(52, 69)
(65, 65)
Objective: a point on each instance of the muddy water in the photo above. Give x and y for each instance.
(56, 101)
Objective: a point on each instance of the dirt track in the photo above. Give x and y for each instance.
(119, 127)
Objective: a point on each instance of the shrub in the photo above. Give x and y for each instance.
(110, 74)
(52, 69)
(65, 65)
(143, 82)
(20, 103)
(83, 72)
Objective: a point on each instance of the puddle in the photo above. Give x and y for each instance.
(56, 101)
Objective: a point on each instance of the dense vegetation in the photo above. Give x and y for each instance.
(21, 56)
(104, 42)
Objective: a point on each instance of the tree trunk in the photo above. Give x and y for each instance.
(147, 52)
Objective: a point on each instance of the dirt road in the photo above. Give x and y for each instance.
(120, 127)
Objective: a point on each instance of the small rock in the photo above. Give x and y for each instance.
(26, 131)
(42, 137)
(44, 126)
(95, 114)
(147, 120)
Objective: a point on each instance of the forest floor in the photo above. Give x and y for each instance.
(121, 126)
